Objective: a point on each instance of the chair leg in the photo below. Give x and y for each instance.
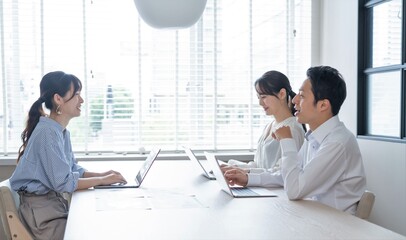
(17, 229)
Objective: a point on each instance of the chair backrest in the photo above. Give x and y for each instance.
(12, 227)
(365, 205)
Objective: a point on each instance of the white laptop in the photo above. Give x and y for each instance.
(238, 192)
(142, 172)
(205, 172)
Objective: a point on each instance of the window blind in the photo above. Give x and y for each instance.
(146, 87)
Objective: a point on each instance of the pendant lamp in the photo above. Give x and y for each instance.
(170, 14)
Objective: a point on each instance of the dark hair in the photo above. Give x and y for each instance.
(327, 83)
(271, 82)
(52, 83)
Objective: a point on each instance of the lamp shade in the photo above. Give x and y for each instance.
(172, 14)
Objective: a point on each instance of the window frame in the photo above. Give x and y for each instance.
(365, 69)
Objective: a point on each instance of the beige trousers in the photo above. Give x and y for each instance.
(44, 215)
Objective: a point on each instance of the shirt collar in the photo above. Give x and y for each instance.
(323, 130)
(52, 123)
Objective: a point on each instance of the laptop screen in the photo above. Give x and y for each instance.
(217, 172)
(147, 165)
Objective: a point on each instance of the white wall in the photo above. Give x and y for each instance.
(385, 162)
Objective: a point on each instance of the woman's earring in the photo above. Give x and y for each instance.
(58, 111)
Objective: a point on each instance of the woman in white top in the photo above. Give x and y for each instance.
(275, 95)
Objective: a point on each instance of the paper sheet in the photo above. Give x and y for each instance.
(145, 199)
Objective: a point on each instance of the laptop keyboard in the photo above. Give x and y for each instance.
(243, 192)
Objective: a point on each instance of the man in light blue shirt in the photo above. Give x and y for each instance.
(328, 168)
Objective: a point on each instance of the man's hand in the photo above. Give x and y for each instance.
(283, 132)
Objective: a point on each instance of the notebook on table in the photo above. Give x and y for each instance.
(238, 192)
(142, 172)
(205, 172)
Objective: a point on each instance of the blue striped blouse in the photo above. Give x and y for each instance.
(48, 162)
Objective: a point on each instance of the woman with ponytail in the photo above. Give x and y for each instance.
(275, 96)
(46, 166)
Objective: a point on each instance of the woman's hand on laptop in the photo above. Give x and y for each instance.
(91, 179)
(236, 176)
(226, 167)
(109, 172)
(112, 177)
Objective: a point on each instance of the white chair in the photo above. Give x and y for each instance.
(365, 205)
(12, 227)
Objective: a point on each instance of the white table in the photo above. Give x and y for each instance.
(176, 202)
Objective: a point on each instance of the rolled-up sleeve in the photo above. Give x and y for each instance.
(77, 168)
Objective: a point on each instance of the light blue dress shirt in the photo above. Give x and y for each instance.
(328, 168)
(48, 162)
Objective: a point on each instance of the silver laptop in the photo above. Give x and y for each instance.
(142, 172)
(205, 172)
(238, 192)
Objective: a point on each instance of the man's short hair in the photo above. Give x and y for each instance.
(327, 83)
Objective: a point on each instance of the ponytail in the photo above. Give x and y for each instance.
(291, 95)
(52, 83)
(34, 114)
